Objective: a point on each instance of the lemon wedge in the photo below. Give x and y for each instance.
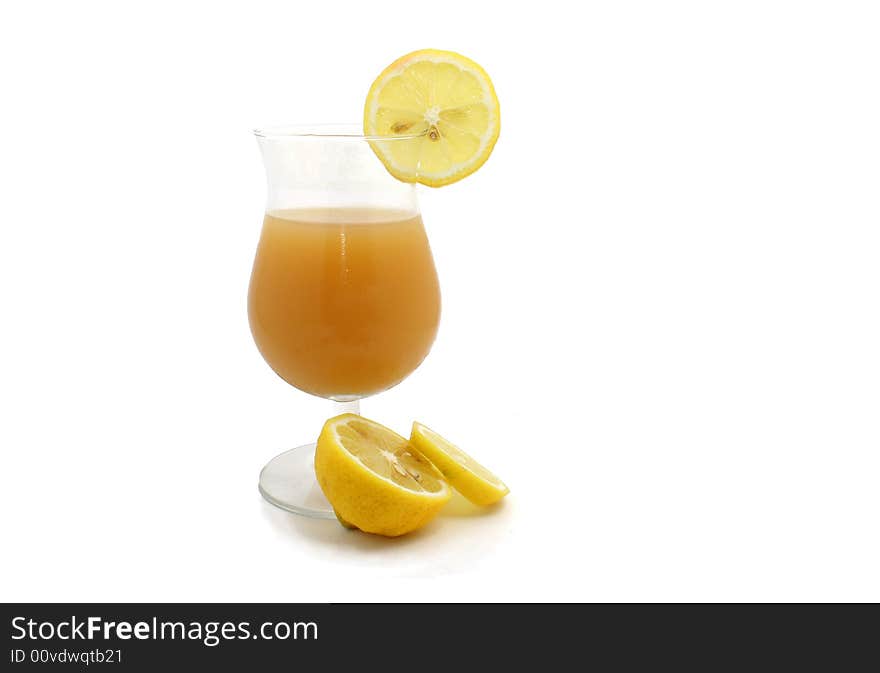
(445, 99)
(374, 479)
(466, 475)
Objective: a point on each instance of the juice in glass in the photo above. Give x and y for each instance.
(343, 302)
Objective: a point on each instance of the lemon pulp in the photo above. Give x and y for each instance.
(465, 474)
(444, 99)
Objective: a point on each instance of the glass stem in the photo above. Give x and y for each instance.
(351, 407)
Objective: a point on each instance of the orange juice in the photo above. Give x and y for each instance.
(343, 302)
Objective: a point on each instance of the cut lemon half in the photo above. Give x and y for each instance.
(374, 478)
(448, 102)
(466, 475)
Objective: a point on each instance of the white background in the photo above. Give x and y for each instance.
(660, 320)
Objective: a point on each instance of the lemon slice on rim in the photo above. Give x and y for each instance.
(447, 100)
(466, 475)
(375, 479)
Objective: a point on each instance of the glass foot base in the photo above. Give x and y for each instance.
(288, 481)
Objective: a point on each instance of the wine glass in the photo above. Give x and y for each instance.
(344, 300)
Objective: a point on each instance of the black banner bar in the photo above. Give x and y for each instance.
(134, 637)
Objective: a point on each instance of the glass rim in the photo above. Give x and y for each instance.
(325, 132)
